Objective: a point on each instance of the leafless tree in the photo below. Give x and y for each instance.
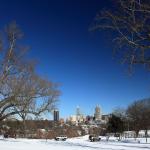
(139, 113)
(120, 112)
(22, 91)
(34, 96)
(129, 21)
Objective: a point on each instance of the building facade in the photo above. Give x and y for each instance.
(56, 115)
(97, 113)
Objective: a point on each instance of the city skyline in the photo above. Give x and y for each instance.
(68, 53)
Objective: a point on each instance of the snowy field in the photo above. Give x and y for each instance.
(80, 143)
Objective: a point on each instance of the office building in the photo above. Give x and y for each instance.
(97, 114)
(56, 115)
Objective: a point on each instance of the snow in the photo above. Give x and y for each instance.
(78, 143)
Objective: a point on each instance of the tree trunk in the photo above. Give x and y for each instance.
(146, 135)
(24, 127)
(136, 134)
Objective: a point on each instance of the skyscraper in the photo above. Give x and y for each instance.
(78, 113)
(56, 115)
(97, 113)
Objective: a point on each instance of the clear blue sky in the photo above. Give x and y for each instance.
(57, 31)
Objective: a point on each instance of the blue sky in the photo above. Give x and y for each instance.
(82, 61)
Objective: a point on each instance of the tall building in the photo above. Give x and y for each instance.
(79, 116)
(97, 113)
(78, 112)
(56, 115)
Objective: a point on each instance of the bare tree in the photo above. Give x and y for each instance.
(120, 112)
(10, 66)
(22, 91)
(139, 113)
(34, 96)
(129, 21)
(115, 125)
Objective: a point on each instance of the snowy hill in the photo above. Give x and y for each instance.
(79, 143)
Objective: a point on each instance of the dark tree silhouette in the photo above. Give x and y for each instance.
(139, 114)
(115, 125)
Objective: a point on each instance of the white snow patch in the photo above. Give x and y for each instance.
(79, 143)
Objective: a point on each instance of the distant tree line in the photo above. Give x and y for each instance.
(135, 118)
(46, 129)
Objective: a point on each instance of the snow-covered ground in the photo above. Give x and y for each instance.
(80, 143)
